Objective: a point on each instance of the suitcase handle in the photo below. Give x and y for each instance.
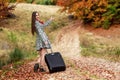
(50, 50)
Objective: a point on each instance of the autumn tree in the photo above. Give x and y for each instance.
(99, 13)
(6, 8)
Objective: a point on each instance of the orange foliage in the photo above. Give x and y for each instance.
(87, 10)
(5, 7)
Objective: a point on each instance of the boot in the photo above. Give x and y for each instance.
(42, 69)
(36, 67)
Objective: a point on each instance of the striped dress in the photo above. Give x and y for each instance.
(41, 36)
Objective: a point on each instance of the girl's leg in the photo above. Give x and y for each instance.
(36, 66)
(41, 61)
(42, 55)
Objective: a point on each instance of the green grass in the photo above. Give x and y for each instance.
(112, 55)
(4, 60)
(16, 55)
(93, 47)
(12, 37)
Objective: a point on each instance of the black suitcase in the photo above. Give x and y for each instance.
(55, 62)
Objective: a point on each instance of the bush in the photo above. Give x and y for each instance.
(16, 55)
(100, 13)
(29, 1)
(12, 1)
(46, 2)
(6, 8)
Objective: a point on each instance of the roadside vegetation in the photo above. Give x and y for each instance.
(99, 47)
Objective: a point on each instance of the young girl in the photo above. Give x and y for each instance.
(42, 42)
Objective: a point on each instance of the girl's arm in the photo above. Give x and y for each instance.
(46, 23)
